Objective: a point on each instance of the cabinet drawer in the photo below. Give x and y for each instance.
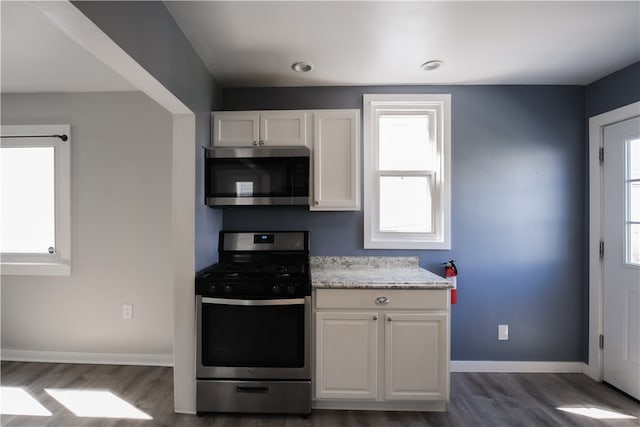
(374, 299)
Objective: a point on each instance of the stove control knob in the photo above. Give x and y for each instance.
(227, 289)
(291, 289)
(275, 289)
(213, 288)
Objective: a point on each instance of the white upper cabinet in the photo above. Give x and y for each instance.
(336, 160)
(235, 128)
(259, 128)
(332, 135)
(283, 128)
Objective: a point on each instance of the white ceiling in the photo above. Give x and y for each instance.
(350, 43)
(385, 42)
(37, 57)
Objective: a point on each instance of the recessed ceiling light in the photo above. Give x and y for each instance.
(432, 65)
(302, 67)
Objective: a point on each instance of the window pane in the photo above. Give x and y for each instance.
(404, 143)
(633, 244)
(634, 201)
(28, 203)
(634, 159)
(405, 204)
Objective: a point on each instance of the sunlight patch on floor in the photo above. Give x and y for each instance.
(96, 403)
(597, 413)
(16, 401)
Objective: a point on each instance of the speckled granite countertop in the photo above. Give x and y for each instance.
(373, 272)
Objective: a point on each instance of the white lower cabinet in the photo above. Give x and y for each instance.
(415, 367)
(347, 355)
(388, 347)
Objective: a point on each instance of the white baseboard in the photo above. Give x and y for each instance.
(87, 358)
(424, 406)
(167, 360)
(519, 367)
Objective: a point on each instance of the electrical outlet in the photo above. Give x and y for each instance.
(503, 332)
(127, 311)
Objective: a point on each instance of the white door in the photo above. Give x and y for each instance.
(336, 160)
(283, 128)
(415, 357)
(346, 355)
(235, 128)
(621, 263)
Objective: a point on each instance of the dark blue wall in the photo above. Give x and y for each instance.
(146, 31)
(615, 90)
(518, 214)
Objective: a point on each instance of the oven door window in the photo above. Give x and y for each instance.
(252, 336)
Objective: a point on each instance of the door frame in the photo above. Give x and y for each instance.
(71, 21)
(595, 365)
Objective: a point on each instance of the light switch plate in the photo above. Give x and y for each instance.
(127, 311)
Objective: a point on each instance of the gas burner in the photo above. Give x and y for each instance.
(252, 270)
(232, 274)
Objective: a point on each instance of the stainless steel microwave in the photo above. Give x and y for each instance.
(257, 176)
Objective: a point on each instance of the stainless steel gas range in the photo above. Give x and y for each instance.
(253, 325)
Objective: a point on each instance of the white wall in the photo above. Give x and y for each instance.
(121, 232)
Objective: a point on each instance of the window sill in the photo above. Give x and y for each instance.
(406, 244)
(35, 269)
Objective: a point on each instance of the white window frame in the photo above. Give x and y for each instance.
(438, 108)
(59, 262)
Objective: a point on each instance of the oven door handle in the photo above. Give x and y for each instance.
(227, 301)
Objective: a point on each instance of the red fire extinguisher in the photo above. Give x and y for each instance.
(451, 273)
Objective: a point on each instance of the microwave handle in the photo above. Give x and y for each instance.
(253, 302)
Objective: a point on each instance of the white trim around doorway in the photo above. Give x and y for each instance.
(71, 21)
(594, 366)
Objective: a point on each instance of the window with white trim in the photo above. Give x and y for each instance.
(407, 150)
(35, 186)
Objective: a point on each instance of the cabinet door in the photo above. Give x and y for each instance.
(235, 128)
(346, 355)
(284, 128)
(336, 160)
(416, 357)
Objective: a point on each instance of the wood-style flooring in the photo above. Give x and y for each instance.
(487, 399)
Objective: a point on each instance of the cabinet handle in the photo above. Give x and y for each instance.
(261, 142)
(316, 203)
(255, 142)
(375, 317)
(389, 319)
(382, 300)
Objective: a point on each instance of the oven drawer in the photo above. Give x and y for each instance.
(292, 397)
(414, 299)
